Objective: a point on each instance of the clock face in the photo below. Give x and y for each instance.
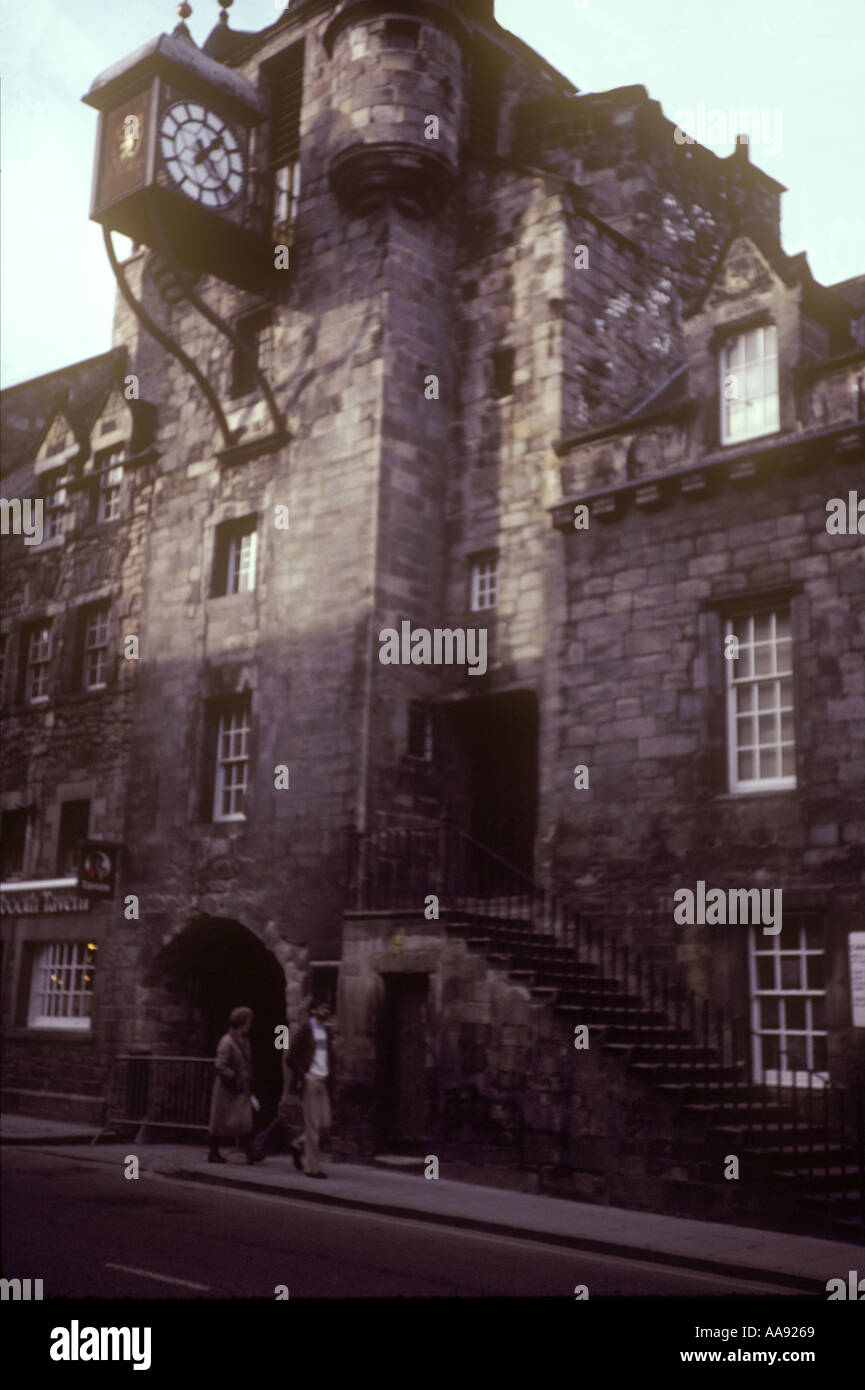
(202, 154)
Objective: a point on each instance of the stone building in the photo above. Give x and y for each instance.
(433, 710)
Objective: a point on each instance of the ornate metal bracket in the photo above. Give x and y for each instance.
(153, 328)
(164, 247)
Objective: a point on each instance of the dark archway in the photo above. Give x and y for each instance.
(213, 965)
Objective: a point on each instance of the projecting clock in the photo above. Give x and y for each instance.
(172, 164)
(202, 154)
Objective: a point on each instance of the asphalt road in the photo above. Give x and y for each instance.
(88, 1232)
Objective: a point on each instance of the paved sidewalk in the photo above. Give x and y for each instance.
(801, 1263)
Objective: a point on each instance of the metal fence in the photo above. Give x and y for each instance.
(814, 1135)
(159, 1092)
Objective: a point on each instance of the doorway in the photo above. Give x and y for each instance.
(495, 743)
(208, 969)
(403, 1123)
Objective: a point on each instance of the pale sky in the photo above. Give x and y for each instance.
(798, 63)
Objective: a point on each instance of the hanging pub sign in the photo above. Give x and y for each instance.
(97, 867)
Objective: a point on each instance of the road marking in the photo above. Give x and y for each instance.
(743, 1285)
(163, 1278)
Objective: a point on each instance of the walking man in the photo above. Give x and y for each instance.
(231, 1108)
(311, 1058)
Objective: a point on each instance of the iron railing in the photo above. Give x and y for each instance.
(159, 1092)
(814, 1134)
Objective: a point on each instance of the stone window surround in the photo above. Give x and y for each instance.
(713, 613)
(31, 932)
(781, 781)
(44, 960)
(234, 510)
(723, 370)
(478, 558)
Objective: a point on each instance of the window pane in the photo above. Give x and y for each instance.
(791, 973)
(797, 1052)
(769, 1013)
(771, 1053)
(770, 763)
(763, 660)
(816, 971)
(767, 728)
(794, 1014)
(746, 766)
(766, 972)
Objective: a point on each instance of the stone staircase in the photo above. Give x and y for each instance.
(800, 1155)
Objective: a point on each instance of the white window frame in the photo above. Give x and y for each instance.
(55, 503)
(96, 645)
(61, 985)
(109, 466)
(485, 583)
(742, 677)
(286, 194)
(232, 764)
(780, 948)
(750, 398)
(39, 642)
(241, 557)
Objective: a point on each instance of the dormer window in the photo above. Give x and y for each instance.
(749, 385)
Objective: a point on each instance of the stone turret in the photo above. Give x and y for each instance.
(398, 86)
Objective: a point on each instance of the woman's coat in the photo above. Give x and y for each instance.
(230, 1106)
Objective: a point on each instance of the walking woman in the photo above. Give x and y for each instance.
(231, 1105)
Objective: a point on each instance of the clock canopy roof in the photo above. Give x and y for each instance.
(178, 58)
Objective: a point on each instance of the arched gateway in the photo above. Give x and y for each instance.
(195, 981)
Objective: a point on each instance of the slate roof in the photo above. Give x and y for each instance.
(80, 389)
(852, 290)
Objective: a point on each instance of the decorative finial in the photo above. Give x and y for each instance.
(184, 10)
(226, 5)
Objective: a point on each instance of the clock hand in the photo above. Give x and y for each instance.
(203, 153)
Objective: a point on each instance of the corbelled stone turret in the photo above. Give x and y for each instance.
(398, 74)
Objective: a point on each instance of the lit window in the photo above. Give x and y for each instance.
(788, 1003)
(485, 583)
(96, 648)
(61, 985)
(55, 502)
(109, 469)
(232, 765)
(38, 661)
(749, 385)
(761, 743)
